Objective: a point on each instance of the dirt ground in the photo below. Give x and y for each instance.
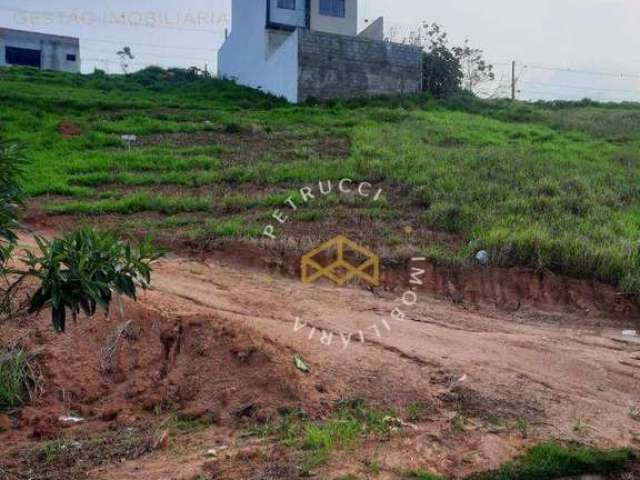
(217, 336)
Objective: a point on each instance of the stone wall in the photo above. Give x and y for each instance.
(340, 66)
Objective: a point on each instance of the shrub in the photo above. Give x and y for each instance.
(11, 164)
(82, 270)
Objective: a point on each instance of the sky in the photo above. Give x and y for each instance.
(564, 49)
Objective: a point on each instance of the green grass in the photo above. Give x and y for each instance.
(550, 461)
(135, 203)
(224, 229)
(16, 378)
(316, 440)
(548, 186)
(422, 475)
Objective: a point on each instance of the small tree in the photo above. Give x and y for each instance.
(82, 271)
(125, 55)
(441, 69)
(476, 71)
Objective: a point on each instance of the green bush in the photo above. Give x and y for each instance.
(82, 270)
(11, 165)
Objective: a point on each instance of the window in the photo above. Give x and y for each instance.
(71, 57)
(333, 8)
(288, 4)
(22, 56)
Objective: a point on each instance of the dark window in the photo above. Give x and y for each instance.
(288, 4)
(22, 56)
(71, 57)
(333, 8)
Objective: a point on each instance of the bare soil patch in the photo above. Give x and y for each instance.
(69, 129)
(214, 342)
(251, 145)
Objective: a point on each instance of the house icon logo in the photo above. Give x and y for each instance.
(340, 260)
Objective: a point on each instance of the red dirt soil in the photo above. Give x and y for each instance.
(69, 129)
(217, 338)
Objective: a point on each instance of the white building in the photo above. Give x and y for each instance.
(300, 49)
(40, 50)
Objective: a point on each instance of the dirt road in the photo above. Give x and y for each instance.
(547, 369)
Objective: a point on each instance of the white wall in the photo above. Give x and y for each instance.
(343, 26)
(375, 30)
(245, 57)
(295, 18)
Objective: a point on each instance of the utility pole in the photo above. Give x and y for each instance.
(513, 80)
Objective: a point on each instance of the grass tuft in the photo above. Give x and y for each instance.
(18, 378)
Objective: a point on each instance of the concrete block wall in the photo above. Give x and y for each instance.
(340, 66)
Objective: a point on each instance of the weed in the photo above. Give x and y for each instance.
(184, 423)
(522, 425)
(416, 411)
(458, 424)
(374, 466)
(581, 427)
(421, 475)
(54, 448)
(316, 440)
(548, 461)
(19, 378)
(634, 413)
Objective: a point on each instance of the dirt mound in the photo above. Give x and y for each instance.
(69, 129)
(154, 363)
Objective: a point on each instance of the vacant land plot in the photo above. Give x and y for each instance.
(224, 372)
(550, 186)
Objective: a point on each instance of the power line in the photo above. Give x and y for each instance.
(150, 45)
(576, 87)
(155, 55)
(585, 72)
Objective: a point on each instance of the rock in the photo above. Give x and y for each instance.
(482, 257)
(213, 453)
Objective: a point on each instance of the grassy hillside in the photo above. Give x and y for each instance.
(553, 186)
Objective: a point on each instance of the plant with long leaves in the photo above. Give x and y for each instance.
(11, 171)
(81, 271)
